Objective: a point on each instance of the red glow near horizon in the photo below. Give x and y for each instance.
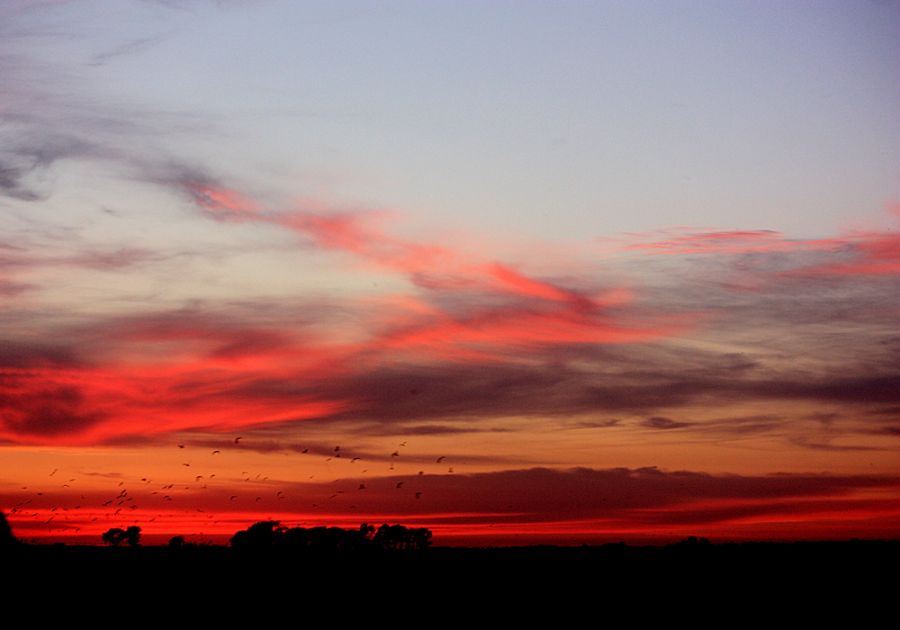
(828, 520)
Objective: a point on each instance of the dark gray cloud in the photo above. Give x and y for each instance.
(19, 354)
(829, 446)
(660, 422)
(48, 411)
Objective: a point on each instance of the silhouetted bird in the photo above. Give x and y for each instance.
(362, 486)
(237, 439)
(441, 458)
(399, 484)
(216, 452)
(181, 446)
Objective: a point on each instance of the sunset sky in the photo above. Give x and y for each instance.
(515, 271)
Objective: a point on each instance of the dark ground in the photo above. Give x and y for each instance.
(691, 573)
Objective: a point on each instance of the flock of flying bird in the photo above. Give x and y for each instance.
(123, 503)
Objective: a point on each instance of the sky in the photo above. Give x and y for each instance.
(518, 272)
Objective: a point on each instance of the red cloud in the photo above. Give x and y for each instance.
(874, 254)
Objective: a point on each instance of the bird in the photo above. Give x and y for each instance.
(354, 459)
(237, 439)
(399, 484)
(441, 458)
(216, 452)
(362, 486)
(181, 446)
(395, 454)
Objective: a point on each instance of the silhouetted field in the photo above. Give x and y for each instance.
(394, 566)
(779, 568)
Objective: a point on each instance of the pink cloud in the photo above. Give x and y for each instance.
(872, 253)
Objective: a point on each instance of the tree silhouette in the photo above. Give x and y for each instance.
(400, 538)
(261, 535)
(133, 535)
(6, 535)
(115, 536)
(270, 535)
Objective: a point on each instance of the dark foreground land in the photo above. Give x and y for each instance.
(828, 573)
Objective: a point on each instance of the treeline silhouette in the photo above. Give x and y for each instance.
(271, 536)
(394, 563)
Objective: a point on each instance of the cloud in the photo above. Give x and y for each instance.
(659, 422)
(127, 48)
(872, 253)
(20, 355)
(466, 335)
(219, 368)
(9, 289)
(49, 411)
(872, 388)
